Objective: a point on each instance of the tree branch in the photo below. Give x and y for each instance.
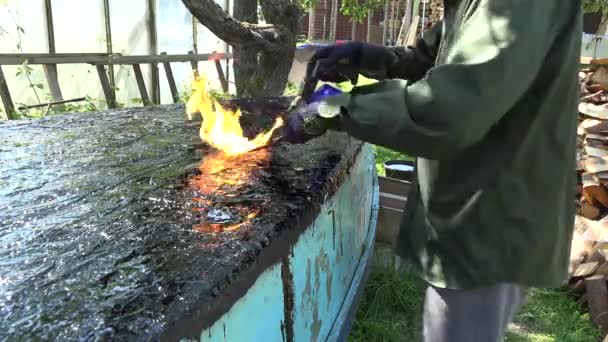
(234, 32)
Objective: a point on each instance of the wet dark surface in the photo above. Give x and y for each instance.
(112, 225)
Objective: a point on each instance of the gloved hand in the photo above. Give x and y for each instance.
(344, 62)
(336, 63)
(310, 121)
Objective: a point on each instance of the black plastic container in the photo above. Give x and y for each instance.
(400, 169)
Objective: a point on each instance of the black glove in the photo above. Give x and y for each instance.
(344, 62)
(336, 63)
(309, 121)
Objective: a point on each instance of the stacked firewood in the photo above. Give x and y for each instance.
(436, 11)
(589, 259)
(592, 141)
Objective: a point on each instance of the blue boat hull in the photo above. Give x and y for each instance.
(328, 267)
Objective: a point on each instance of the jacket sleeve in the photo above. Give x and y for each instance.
(492, 61)
(409, 63)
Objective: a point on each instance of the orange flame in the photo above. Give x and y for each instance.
(221, 127)
(221, 178)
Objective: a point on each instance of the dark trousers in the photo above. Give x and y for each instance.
(479, 315)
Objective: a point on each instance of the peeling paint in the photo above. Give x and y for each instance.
(316, 322)
(307, 289)
(288, 299)
(315, 276)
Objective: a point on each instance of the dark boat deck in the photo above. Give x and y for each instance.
(106, 229)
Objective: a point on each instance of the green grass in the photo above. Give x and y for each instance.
(551, 315)
(391, 310)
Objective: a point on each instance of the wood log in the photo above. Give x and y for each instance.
(597, 298)
(600, 76)
(596, 126)
(580, 247)
(597, 253)
(593, 230)
(586, 269)
(596, 195)
(594, 111)
(413, 32)
(596, 148)
(594, 164)
(590, 211)
(603, 269)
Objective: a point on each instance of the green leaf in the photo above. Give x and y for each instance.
(39, 86)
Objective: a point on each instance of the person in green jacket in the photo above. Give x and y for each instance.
(487, 102)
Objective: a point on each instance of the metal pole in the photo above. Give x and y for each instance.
(153, 44)
(227, 46)
(385, 26)
(423, 17)
(324, 20)
(50, 28)
(334, 18)
(311, 23)
(408, 14)
(108, 26)
(369, 27)
(194, 35)
(398, 20)
(391, 27)
(50, 70)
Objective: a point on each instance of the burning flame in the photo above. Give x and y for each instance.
(221, 179)
(221, 127)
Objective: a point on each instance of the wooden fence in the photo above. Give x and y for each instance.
(102, 61)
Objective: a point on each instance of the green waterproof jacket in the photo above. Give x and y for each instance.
(492, 121)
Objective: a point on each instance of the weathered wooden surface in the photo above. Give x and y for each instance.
(100, 235)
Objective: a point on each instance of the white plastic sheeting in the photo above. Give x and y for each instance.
(80, 28)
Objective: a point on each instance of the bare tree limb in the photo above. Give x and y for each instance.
(234, 32)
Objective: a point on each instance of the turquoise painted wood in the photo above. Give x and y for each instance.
(323, 262)
(255, 317)
(327, 254)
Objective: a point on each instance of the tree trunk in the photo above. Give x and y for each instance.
(263, 53)
(274, 70)
(245, 58)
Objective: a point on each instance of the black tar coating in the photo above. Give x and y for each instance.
(96, 238)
